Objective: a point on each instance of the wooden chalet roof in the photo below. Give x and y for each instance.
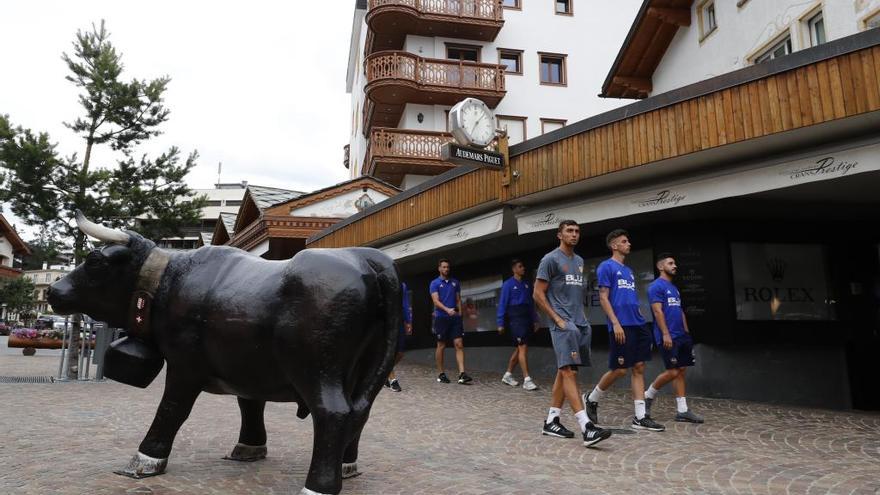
(645, 44)
(18, 245)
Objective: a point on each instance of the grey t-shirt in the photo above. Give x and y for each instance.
(566, 292)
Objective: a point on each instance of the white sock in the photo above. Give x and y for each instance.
(640, 408)
(596, 394)
(554, 413)
(527, 379)
(583, 420)
(651, 392)
(506, 374)
(681, 404)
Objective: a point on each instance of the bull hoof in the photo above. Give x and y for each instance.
(143, 466)
(306, 491)
(247, 453)
(350, 470)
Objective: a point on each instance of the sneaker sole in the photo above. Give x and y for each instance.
(512, 384)
(557, 435)
(462, 382)
(640, 427)
(530, 389)
(590, 443)
(685, 420)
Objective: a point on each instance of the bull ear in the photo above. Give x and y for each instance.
(117, 253)
(99, 231)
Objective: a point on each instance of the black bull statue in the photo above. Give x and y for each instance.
(319, 330)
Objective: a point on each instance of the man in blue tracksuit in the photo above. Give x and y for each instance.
(516, 312)
(446, 297)
(405, 329)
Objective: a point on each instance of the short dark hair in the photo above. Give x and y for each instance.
(515, 262)
(565, 223)
(662, 256)
(614, 234)
(443, 260)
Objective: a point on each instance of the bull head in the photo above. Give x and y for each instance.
(102, 285)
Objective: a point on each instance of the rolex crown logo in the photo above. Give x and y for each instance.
(776, 267)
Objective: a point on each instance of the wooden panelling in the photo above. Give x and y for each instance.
(835, 88)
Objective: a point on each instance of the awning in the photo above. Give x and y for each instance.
(474, 228)
(742, 181)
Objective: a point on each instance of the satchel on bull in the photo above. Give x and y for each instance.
(319, 330)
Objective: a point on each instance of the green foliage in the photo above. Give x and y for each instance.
(17, 294)
(45, 189)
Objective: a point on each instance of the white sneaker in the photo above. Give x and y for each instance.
(509, 379)
(528, 384)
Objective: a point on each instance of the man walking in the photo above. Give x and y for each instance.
(672, 336)
(405, 329)
(516, 312)
(630, 338)
(446, 297)
(559, 292)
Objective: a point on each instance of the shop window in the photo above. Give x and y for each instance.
(552, 69)
(548, 125)
(511, 60)
(479, 303)
(816, 26)
(511, 4)
(781, 282)
(515, 127)
(707, 18)
(564, 7)
(467, 53)
(779, 49)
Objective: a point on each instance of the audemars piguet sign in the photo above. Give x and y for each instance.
(460, 155)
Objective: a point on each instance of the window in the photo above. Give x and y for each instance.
(816, 25)
(511, 60)
(563, 7)
(467, 53)
(515, 127)
(872, 21)
(708, 21)
(511, 4)
(213, 203)
(233, 202)
(552, 69)
(548, 125)
(779, 49)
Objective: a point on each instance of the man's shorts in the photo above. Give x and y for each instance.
(401, 339)
(448, 328)
(519, 322)
(681, 354)
(636, 349)
(571, 344)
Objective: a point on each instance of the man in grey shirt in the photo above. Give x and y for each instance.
(559, 293)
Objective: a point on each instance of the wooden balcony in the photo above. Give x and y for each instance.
(391, 20)
(397, 78)
(393, 153)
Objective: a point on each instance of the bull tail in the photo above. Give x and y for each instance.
(378, 358)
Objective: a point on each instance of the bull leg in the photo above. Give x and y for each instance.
(251, 444)
(331, 418)
(152, 456)
(349, 458)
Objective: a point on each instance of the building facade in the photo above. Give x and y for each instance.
(42, 279)
(221, 199)
(760, 181)
(410, 61)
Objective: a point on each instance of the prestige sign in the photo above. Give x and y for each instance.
(462, 155)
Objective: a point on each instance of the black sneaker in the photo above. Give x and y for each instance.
(688, 417)
(555, 429)
(442, 378)
(394, 386)
(646, 423)
(592, 408)
(593, 435)
(464, 378)
(648, 403)
(387, 383)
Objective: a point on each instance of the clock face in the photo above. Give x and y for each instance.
(472, 123)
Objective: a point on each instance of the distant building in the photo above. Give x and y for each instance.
(11, 249)
(222, 199)
(42, 279)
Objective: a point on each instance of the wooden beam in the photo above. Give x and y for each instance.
(678, 16)
(641, 84)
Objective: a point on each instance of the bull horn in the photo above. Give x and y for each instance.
(99, 231)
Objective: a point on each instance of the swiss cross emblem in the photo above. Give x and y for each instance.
(139, 319)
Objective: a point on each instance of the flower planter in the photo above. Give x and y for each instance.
(37, 343)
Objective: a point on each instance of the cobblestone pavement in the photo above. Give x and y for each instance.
(430, 439)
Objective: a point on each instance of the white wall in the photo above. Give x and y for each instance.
(412, 180)
(744, 31)
(5, 252)
(341, 206)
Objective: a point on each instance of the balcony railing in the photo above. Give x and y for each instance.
(396, 152)
(488, 10)
(434, 73)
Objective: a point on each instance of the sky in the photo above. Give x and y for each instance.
(258, 86)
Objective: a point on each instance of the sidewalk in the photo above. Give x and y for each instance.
(430, 439)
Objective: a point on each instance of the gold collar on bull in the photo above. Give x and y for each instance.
(142, 299)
